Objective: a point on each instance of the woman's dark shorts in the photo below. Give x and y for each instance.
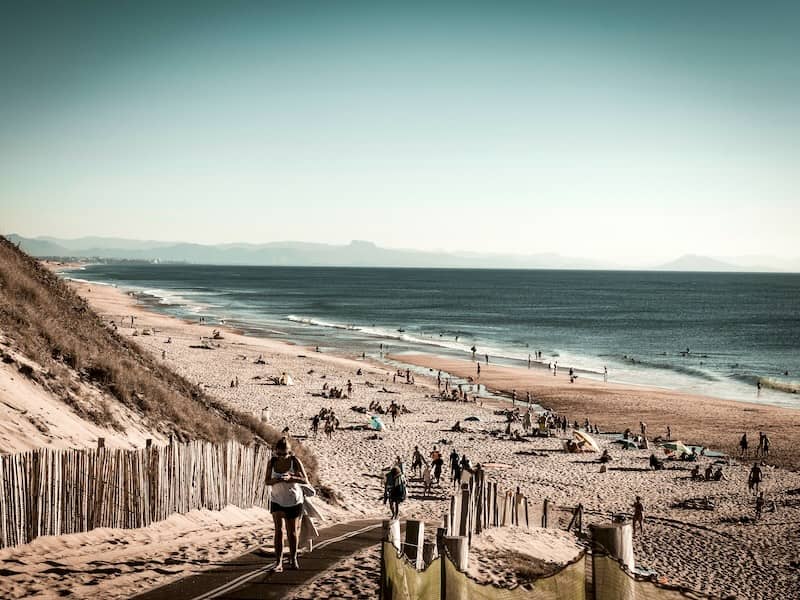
(291, 512)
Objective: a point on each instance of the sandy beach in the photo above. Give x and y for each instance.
(695, 420)
(720, 551)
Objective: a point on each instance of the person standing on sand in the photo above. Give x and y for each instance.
(755, 478)
(479, 370)
(605, 374)
(417, 461)
(759, 505)
(285, 473)
(638, 515)
(743, 445)
(454, 470)
(395, 491)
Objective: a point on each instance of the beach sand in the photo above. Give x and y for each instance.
(705, 550)
(695, 420)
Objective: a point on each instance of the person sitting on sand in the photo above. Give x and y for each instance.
(656, 463)
(696, 472)
(709, 472)
(605, 457)
(285, 473)
(719, 475)
(457, 427)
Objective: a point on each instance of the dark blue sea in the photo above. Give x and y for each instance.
(708, 333)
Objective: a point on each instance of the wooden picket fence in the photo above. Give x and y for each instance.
(58, 491)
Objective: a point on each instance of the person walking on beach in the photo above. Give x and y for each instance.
(417, 461)
(759, 505)
(395, 491)
(765, 445)
(605, 374)
(454, 470)
(669, 432)
(285, 473)
(513, 397)
(479, 370)
(755, 478)
(743, 445)
(638, 515)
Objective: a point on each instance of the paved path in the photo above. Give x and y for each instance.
(251, 576)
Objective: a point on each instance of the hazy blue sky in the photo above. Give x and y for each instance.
(634, 132)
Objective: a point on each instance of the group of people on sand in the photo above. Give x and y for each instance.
(763, 445)
(329, 421)
(336, 393)
(404, 374)
(428, 470)
(394, 409)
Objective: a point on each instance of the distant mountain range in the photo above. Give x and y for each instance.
(354, 254)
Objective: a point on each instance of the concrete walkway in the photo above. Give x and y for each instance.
(251, 576)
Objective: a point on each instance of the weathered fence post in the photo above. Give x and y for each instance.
(385, 590)
(415, 537)
(463, 524)
(101, 442)
(616, 539)
(440, 548)
(458, 549)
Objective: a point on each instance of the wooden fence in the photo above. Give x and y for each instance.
(57, 491)
(479, 504)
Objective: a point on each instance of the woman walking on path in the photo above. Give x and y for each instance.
(285, 473)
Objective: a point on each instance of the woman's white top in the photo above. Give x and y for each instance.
(285, 493)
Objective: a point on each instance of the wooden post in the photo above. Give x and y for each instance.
(545, 510)
(451, 524)
(616, 539)
(458, 549)
(440, 534)
(463, 523)
(415, 537)
(385, 591)
(148, 443)
(527, 522)
(428, 553)
(101, 442)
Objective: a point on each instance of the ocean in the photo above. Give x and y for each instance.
(707, 333)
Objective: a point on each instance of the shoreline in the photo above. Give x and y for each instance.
(699, 420)
(712, 384)
(709, 421)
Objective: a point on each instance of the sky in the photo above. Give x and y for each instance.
(633, 131)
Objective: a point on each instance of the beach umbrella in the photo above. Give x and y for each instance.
(376, 423)
(678, 447)
(588, 441)
(472, 419)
